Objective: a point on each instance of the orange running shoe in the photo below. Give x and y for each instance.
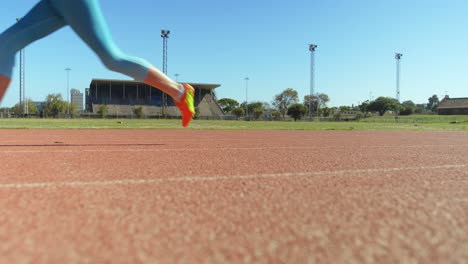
(185, 104)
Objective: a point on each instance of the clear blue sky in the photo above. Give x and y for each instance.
(225, 41)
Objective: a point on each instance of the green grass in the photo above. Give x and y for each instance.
(440, 125)
(419, 118)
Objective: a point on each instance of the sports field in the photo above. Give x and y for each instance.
(422, 123)
(232, 192)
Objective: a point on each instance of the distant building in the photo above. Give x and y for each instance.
(77, 99)
(453, 106)
(121, 98)
(39, 105)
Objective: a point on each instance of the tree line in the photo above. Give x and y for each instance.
(287, 103)
(284, 104)
(53, 106)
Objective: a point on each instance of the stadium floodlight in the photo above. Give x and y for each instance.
(246, 97)
(22, 90)
(397, 57)
(165, 35)
(312, 48)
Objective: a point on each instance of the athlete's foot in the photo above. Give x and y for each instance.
(4, 83)
(185, 104)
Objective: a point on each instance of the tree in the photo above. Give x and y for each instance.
(285, 99)
(382, 105)
(407, 108)
(404, 110)
(420, 108)
(5, 109)
(138, 111)
(364, 107)
(345, 108)
(267, 106)
(326, 111)
(276, 114)
(409, 103)
(296, 111)
(254, 109)
(433, 103)
(73, 109)
(238, 112)
(197, 113)
(17, 109)
(322, 101)
(257, 113)
(103, 110)
(32, 108)
(227, 104)
(54, 105)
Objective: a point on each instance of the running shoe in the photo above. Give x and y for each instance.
(185, 104)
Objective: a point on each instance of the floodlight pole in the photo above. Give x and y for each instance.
(22, 92)
(246, 97)
(165, 36)
(397, 57)
(312, 48)
(68, 90)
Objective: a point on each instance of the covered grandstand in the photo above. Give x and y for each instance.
(122, 96)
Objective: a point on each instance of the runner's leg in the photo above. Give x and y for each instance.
(39, 22)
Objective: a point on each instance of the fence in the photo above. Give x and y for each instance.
(418, 119)
(371, 119)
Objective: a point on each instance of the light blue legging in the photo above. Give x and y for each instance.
(85, 18)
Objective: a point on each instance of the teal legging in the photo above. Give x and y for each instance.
(85, 18)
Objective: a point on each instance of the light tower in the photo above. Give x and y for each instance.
(165, 36)
(397, 57)
(312, 48)
(246, 97)
(22, 92)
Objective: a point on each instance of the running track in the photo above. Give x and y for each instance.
(187, 196)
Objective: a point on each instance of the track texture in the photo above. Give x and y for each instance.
(186, 196)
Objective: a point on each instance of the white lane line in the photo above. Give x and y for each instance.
(217, 178)
(79, 149)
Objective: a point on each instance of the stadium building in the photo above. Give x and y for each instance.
(453, 106)
(122, 97)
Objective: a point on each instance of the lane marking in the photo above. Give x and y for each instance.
(217, 178)
(214, 148)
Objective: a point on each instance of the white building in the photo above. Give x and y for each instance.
(77, 99)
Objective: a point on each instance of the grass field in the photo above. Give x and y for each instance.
(419, 118)
(434, 124)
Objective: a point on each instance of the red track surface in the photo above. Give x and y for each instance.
(233, 196)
